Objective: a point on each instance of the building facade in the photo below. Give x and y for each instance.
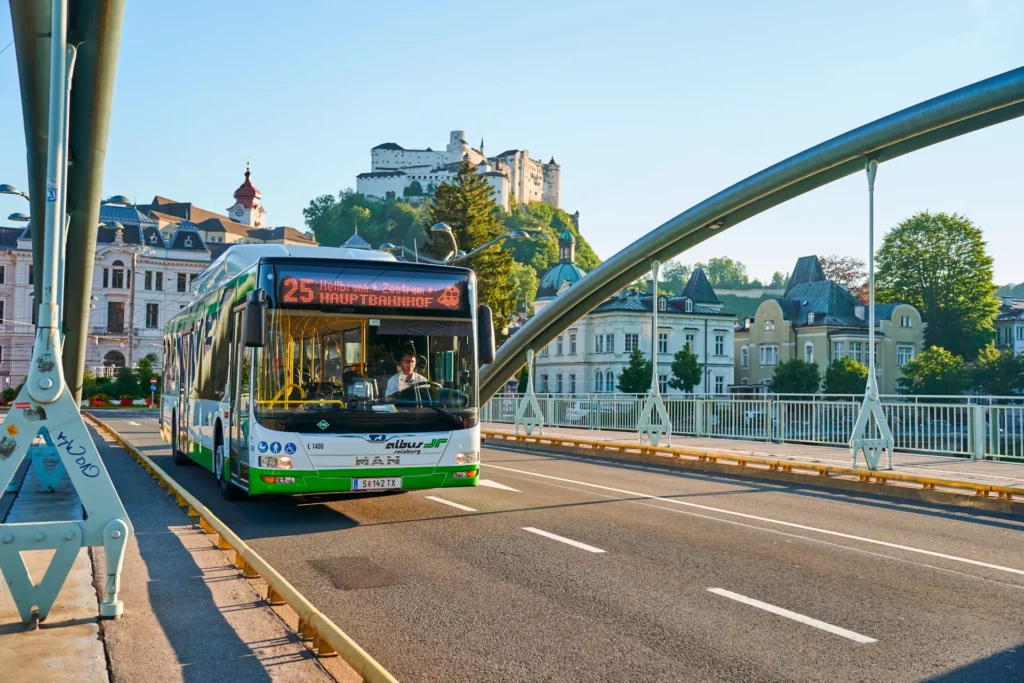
(589, 356)
(394, 170)
(146, 260)
(819, 321)
(1010, 325)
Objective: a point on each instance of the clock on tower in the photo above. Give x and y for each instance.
(247, 209)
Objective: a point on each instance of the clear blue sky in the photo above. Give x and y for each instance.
(649, 107)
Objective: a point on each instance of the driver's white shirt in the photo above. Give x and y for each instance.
(401, 382)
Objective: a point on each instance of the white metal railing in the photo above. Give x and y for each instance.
(971, 426)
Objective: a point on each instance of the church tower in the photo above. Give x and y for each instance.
(247, 209)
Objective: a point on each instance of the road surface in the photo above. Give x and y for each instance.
(568, 569)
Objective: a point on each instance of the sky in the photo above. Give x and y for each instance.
(649, 107)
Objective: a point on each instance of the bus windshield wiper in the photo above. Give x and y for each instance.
(452, 417)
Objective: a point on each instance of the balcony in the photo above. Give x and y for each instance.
(108, 330)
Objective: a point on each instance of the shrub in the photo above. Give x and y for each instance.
(9, 394)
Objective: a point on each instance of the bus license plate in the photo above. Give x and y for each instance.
(378, 484)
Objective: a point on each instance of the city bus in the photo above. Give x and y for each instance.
(312, 370)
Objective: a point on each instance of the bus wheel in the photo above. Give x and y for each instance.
(177, 454)
(227, 489)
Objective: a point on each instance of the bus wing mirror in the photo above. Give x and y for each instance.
(485, 335)
(256, 319)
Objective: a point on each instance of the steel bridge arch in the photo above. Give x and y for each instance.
(976, 106)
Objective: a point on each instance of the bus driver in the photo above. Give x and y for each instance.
(407, 377)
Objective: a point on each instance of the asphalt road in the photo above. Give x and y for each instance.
(579, 570)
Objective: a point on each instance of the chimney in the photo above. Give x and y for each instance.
(650, 286)
(860, 312)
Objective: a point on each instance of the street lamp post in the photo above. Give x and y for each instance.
(11, 189)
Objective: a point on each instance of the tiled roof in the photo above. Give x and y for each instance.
(187, 238)
(1013, 311)
(222, 224)
(123, 214)
(643, 303)
(283, 232)
(153, 238)
(808, 269)
(561, 273)
(508, 152)
(130, 235)
(831, 304)
(699, 289)
(381, 174)
(389, 145)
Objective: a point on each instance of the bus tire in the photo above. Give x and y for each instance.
(177, 454)
(227, 488)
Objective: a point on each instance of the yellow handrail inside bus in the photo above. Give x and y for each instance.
(312, 401)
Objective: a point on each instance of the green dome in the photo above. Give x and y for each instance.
(561, 273)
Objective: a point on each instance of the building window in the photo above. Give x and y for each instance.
(632, 342)
(599, 382)
(857, 351)
(876, 354)
(689, 341)
(744, 357)
(808, 352)
(544, 384)
(182, 282)
(188, 241)
(544, 351)
(117, 275)
(147, 280)
(688, 307)
(599, 343)
(906, 321)
(769, 354)
(152, 316)
(769, 325)
(904, 354)
(559, 347)
(663, 342)
(609, 343)
(719, 384)
(3, 274)
(1, 354)
(837, 350)
(572, 382)
(719, 344)
(32, 277)
(609, 382)
(572, 343)
(115, 316)
(744, 381)
(159, 281)
(558, 383)
(191, 279)
(106, 278)
(662, 303)
(1020, 332)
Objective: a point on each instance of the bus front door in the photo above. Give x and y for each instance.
(241, 381)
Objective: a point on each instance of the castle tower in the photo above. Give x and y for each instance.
(247, 209)
(552, 188)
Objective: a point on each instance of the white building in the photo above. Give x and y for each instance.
(589, 357)
(394, 170)
(143, 276)
(1010, 325)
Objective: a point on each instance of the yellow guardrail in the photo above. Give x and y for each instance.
(772, 464)
(323, 635)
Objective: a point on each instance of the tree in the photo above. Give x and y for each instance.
(935, 372)
(845, 376)
(796, 376)
(674, 276)
(686, 371)
(778, 280)
(126, 384)
(849, 272)
(143, 374)
(524, 283)
(332, 221)
(998, 373)
(724, 272)
(937, 263)
(467, 205)
(636, 378)
(413, 189)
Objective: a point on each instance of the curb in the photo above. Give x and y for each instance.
(320, 634)
(885, 483)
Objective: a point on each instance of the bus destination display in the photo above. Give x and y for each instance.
(375, 289)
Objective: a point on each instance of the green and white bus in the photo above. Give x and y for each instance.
(306, 370)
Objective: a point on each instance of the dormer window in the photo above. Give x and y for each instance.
(662, 303)
(152, 238)
(188, 241)
(688, 306)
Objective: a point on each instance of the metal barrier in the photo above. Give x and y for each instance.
(964, 426)
(327, 640)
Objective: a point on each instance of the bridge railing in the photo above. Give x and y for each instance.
(965, 426)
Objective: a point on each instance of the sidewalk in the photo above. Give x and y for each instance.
(935, 466)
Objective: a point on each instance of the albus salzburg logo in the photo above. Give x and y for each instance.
(414, 447)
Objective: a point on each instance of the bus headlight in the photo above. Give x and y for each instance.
(275, 462)
(467, 458)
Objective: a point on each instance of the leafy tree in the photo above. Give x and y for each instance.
(126, 384)
(524, 283)
(467, 205)
(848, 271)
(674, 276)
(935, 371)
(778, 280)
(686, 371)
(144, 373)
(547, 222)
(796, 376)
(724, 272)
(636, 378)
(845, 376)
(937, 263)
(413, 189)
(332, 221)
(998, 373)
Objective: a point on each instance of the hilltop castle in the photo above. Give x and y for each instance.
(394, 170)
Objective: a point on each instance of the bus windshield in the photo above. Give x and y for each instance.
(342, 373)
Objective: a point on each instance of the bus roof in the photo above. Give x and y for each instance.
(241, 257)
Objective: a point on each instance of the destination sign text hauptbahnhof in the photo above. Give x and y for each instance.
(440, 292)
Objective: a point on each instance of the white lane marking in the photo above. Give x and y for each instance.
(852, 635)
(459, 506)
(496, 485)
(135, 424)
(563, 539)
(792, 525)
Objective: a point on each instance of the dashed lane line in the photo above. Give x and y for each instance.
(803, 619)
(563, 539)
(457, 506)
